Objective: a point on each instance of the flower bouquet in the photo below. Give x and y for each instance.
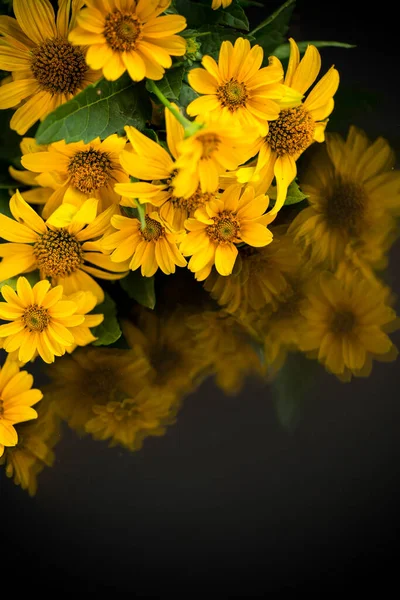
(156, 229)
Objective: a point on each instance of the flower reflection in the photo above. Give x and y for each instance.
(312, 290)
(34, 450)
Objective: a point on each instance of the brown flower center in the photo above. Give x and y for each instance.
(232, 94)
(345, 206)
(122, 30)
(225, 228)
(58, 66)
(343, 322)
(90, 170)
(193, 202)
(292, 132)
(36, 318)
(210, 143)
(58, 253)
(153, 230)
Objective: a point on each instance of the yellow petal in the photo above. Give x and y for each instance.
(225, 257)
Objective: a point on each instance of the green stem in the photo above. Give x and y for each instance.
(142, 212)
(190, 127)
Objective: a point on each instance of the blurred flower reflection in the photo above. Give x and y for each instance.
(314, 290)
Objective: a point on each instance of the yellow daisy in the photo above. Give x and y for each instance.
(40, 320)
(16, 400)
(260, 276)
(354, 195)
(238, 87)
(295, 128)
(34, 449)
(215, 230)
(79, 171)
(47, 69)
(151, 247)
(213, 150)
(218, 3)
(63, 249)
(150, 162)
(129, 35)
(347, 321)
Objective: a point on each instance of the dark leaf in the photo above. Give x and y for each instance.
(140, 288)
(109, 330)
(171, 84)
(198, 14)
(271, 33)
(99, 110)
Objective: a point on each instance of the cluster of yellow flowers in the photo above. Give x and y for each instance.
(200, 200)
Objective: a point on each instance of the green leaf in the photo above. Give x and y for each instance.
(139, 288)
(186, 96)
(100, 109)
(198, 14)
(109, 330)
(283, 51)
(33, 277)
(10, 151)
(170, 85)
(294, 194)
(271, 33)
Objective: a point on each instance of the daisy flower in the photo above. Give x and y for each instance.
(129, 35)
(151, 247)
(239, 88)
(40, 320)
(210, 152)
(353, 195)
(16, 400)
(79, 171)
(149, 161)
(47, 70)
(63, 248)
(347, 321)
(215, 230)
(296, 128)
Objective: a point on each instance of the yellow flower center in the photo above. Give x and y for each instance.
(36, 318)
(346, 205)
(292, 132)
(210, 143)
(343, 322)
(153, 230)
(193, 202)
(122, 30)
(232, 94)
(58, 66)
(225, 228)
(58, 253)
(89, 170)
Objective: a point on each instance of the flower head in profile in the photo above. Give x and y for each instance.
(16, 400)
(238, 87)
(348, 318)
(150, 247)
(63, 248)
(149, 161)
(129, 35)
(47, 70)
(78, 171)
(40, 321)
(34, 449)
(212, 150)
(354, 196)
(296, 128)
(215, 230)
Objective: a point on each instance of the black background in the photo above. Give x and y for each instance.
(228, 502)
